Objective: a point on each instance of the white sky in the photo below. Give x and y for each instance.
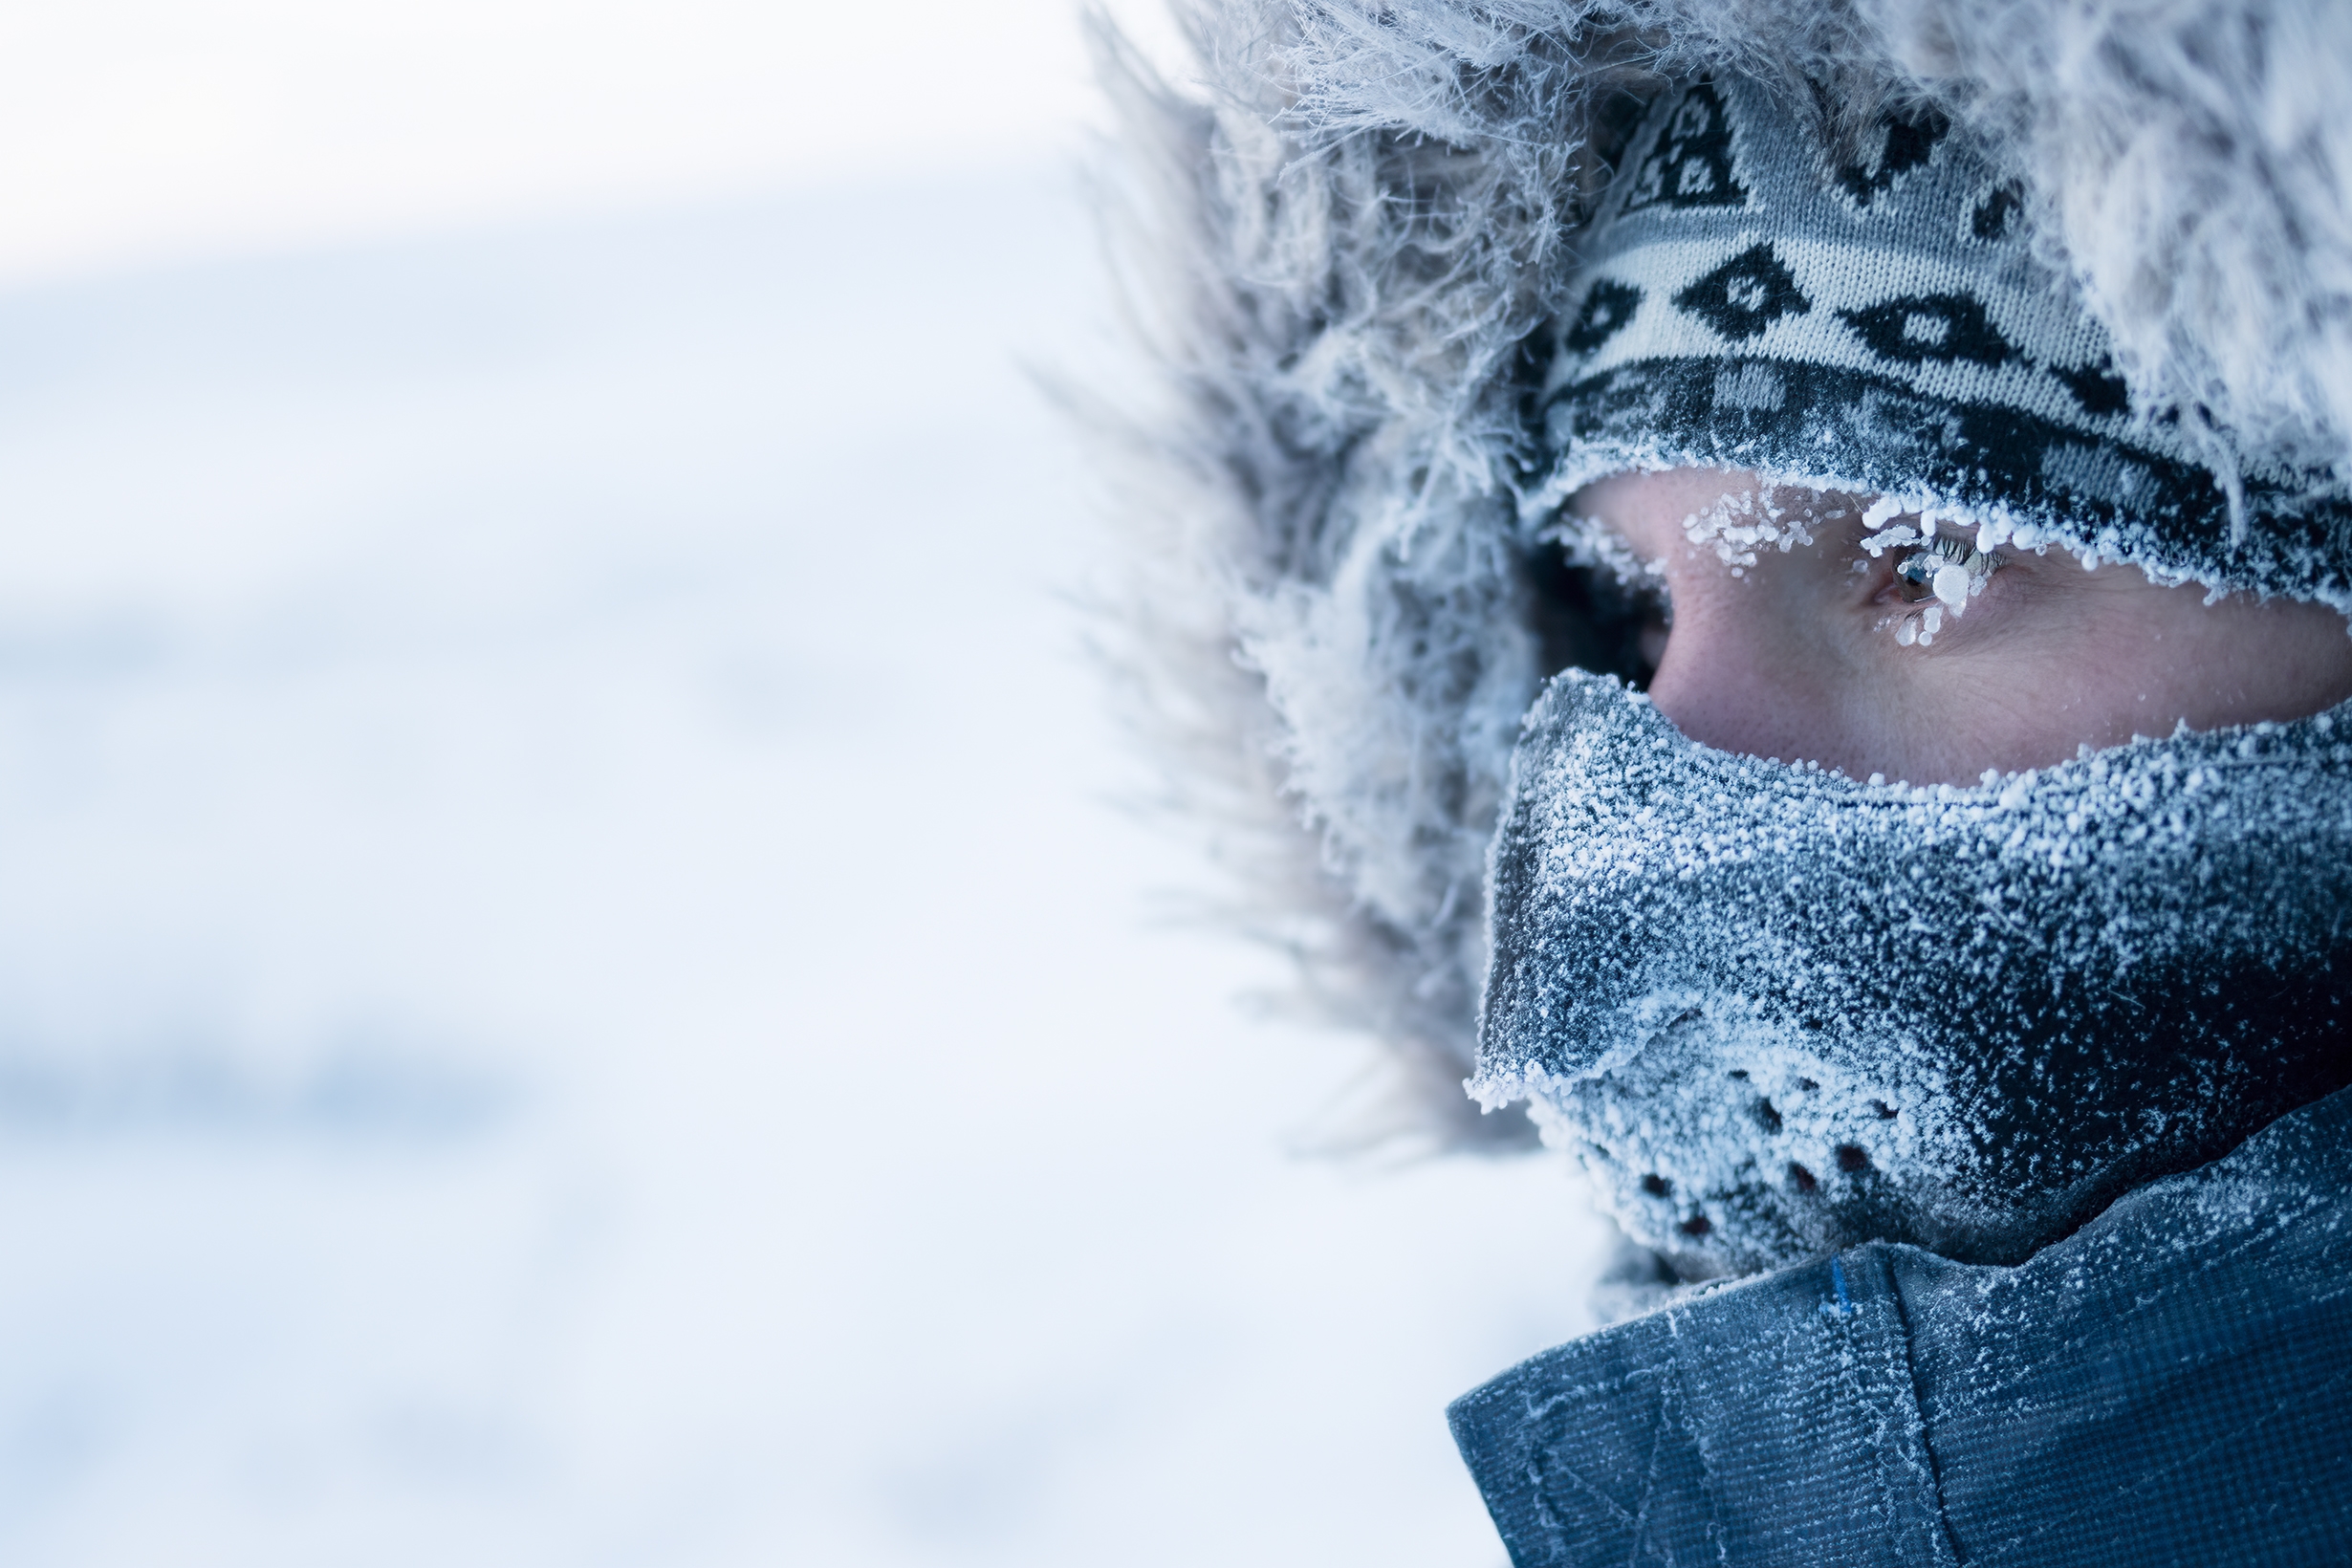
(136, 132)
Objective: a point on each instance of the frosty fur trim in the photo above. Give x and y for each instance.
(1338, 240)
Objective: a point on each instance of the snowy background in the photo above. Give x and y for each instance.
(570, 989)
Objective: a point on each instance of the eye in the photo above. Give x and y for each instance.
(1938, 574)
(1947, 568)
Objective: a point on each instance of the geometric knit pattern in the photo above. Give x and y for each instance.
(1748, 300)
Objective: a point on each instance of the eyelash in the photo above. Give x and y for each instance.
(1920, 579)
(1921, 554)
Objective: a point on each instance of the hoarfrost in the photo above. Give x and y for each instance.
(1778, 1011)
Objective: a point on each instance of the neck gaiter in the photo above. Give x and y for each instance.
(1779, 1011)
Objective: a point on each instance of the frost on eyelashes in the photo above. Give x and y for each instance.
(1945, 556)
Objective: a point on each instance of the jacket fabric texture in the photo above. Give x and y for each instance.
(2167, 1386)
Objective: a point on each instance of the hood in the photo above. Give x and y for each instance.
(1347, 234)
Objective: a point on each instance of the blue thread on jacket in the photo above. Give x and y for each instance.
(1843, 1306)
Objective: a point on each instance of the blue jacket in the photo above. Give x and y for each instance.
(2172, 1384)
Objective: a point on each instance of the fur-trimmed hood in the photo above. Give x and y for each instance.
(1340, 244)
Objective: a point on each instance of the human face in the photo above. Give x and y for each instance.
(1804, 654)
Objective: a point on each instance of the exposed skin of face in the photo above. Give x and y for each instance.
(1797, 657)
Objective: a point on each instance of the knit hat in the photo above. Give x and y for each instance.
(1748, 299)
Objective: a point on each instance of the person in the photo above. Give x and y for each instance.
(1768, 587)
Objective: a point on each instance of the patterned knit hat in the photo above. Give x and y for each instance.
(1748, 300)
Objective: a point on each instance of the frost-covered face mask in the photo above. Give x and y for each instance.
(1780, 1010)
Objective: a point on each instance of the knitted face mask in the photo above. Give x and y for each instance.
(1780, 1010)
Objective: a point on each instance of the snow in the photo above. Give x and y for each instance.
(574, 990)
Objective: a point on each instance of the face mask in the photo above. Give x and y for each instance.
(1779, 1011)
